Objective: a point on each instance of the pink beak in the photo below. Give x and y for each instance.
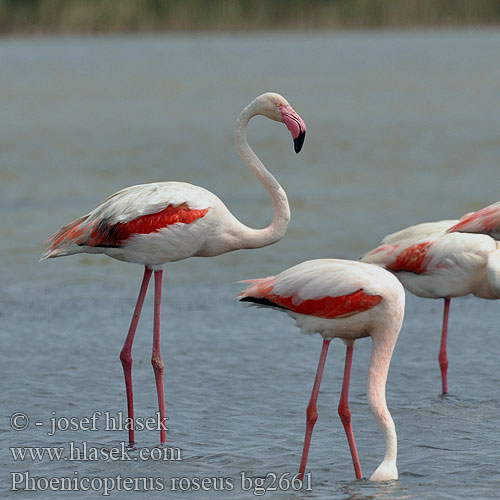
(295, 125)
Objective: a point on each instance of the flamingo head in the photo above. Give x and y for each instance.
(277, 108)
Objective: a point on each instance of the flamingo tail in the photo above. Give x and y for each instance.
(66, 240)
(258, 289)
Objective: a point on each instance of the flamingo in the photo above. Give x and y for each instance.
(349, 300)
(152, 224)
(433, 263)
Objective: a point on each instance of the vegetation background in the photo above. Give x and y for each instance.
(135, 16)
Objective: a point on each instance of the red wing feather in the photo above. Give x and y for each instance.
(411, 259)
(329, 307)
(116, 234)
(103, 234)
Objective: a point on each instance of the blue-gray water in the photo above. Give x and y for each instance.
(402, 128)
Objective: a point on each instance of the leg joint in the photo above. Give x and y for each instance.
(311, 414)
(157, 363)
(443, 359)
(344, 413)
(126, 358)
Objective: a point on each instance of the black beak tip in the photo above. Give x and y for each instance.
(298, 142)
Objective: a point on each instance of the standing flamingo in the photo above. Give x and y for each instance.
(152, 224)
(434, 264)
(350, 300)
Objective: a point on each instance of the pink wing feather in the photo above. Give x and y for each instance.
(484, 221)
(314, 288)
(101, 234)
(410, 249)
(136, 210)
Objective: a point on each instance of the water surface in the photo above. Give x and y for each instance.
(402, 128)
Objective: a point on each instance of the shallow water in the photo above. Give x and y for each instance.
(402, 128)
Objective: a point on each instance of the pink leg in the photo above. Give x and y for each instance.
(126, 357)
(443, 359)
(311, 413)
(345, 414)
(156, 358)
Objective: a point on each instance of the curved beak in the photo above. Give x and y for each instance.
(295, 125)
(299, 141)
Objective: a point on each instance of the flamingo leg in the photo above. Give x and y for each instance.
(156, 358)
(345, 414)
(443, 359)
(126, 357)
(311, 413)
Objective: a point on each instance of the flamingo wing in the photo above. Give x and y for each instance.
(429, 247)
(419, 231)
(484, 221)
(325, 288)
(430, 262)
(136, 210)
(408, 249)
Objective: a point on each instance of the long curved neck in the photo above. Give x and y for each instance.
(382, 347)
(256, 238)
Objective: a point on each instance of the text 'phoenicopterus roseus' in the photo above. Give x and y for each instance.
(349, 300)
(152, 224)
